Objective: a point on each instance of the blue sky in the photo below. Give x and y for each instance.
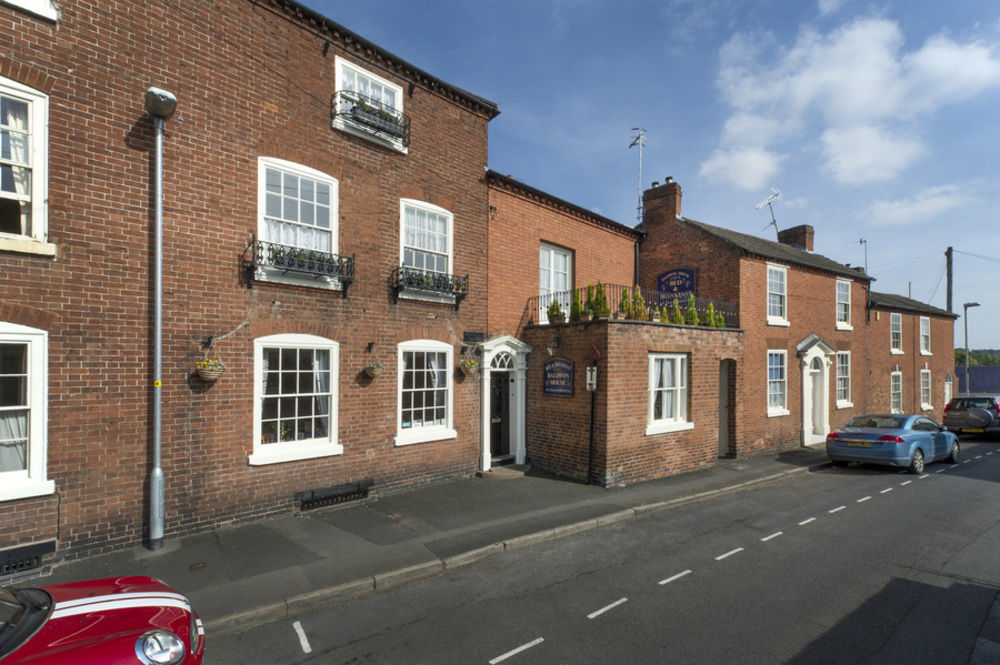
(876, 120)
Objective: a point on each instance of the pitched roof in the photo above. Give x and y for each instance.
(892, 301)
(771, 249)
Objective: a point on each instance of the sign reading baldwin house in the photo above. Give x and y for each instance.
(557, 377)
(677, 283)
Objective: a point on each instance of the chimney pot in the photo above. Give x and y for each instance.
(656, 184)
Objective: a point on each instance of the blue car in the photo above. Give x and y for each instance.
(894, 440)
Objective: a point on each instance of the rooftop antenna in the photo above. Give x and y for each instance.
(767, 202)
(639, 140)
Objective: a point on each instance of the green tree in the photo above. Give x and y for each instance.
(691, 315)
(575, 308)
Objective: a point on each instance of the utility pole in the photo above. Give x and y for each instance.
(948, 258)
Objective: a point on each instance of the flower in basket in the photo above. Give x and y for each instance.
(374, 368)
(210, 369)
(468, 365)
(210, 363)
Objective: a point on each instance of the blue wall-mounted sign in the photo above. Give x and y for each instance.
(557, 377)
(676, 283)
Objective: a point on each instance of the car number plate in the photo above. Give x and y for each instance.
(860, 444)
(972, 429)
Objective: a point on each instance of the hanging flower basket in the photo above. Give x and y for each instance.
(374, 369)
(469, 366)
(210, 370)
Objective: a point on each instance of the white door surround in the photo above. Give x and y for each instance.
(816, 356)
(507, 354)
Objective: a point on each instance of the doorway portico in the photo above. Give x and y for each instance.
(503, 372)
(815, 359)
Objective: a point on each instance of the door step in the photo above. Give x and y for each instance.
(505, 472)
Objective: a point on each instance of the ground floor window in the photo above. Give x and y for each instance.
(668, 393)
(295, 398)
(425, 392)
(896, 392)
(925, 389)
(844, 379)
(777, 383)
(23, 412)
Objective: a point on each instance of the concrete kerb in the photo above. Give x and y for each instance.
(422, 571)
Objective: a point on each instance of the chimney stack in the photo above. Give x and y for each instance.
(800, 236)
(661, 202)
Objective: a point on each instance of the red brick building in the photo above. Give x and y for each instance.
(324, 210)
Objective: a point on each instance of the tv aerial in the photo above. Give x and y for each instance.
(639, 140)
(768, 202)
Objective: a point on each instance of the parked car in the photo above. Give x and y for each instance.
(973, 413)
(110, 621)
(892, 439)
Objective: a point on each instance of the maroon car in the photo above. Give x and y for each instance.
(112, 621)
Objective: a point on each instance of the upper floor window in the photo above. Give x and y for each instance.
(295, 398)
(925, 389)
(777, 383)
(297, 222)
(777, 295)
(896, 332)
(23, 412)
(896, 392)
(555, 279)
(425, 392)
(23, 177)
(843, 379)
(43, 8)
(843, 304)
(368, 105)
(925, 335)
(668, 393)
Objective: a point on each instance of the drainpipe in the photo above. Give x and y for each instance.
(160, 105)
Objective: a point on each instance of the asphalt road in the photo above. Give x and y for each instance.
(848, 565)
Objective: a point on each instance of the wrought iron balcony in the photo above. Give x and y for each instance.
(372, 115)
(286, 259)
(412, 280)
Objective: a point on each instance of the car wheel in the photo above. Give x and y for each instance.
(953, 457)
(917, 463)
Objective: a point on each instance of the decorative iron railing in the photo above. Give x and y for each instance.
(287, 259)
(372, 114)
(621, 307)
(416, 281)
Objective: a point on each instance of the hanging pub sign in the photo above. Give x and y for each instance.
(557, 377)
(677, 283)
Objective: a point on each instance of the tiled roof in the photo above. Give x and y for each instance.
(771, 249)
(892, 301)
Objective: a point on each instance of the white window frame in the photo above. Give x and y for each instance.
(678, 394)
(547, 254)
(409, 294)
(925, 336)
(345, 124)
(777, 319)
(948, 389)
(843, 381)
(895, 333)
(43, 8)
(777, 409)
(925, 390)
(32, 481)
(289, 451)
(269, 274)
(896, 392)
(423, 434)
(843, 305)
(35, 242)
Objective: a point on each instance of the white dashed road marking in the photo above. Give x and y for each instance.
(863, 499)
(904, 484)
(673, 578)
(729, 553)
(926, 475)
(886, 490)
(836, 510)
(597, 613)
(773, 535)
(303, 640)
(804, 522)
(514, 652)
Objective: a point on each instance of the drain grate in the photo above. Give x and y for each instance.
(329, 496)
(26, 557)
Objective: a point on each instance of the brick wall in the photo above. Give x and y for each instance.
(251, 80)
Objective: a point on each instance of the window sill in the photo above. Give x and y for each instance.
(776, 321)
(845, 405)
(427, 296)
(665, 427)
(926, 353)
(360, 131)
(26, 489)
(777, 413)
(926, 407)
(424, 435)
(844, 326)
(9, 243)
(276, 276)
(896, 352)
(292, 453)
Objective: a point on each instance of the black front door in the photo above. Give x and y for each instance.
(500, 415)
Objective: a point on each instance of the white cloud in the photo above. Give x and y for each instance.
(928, 205)
(855, 91)
(747, 168)
(829, 6)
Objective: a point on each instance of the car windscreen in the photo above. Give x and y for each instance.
(878, 422)
(11, 608)
(974, 403)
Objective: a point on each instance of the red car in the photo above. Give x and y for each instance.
(112, 621)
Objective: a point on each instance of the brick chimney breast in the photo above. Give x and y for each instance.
(662, 202)
(800, 236)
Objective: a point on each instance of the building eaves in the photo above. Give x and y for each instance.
(770, 249)
(894, 302)
(356, 42)
(506, 182)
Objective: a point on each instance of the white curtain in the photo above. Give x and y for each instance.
(321, 386)
(15, 141)
(14, 440)
(667, 382)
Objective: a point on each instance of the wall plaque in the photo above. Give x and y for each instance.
(557, 377)
(677, 283)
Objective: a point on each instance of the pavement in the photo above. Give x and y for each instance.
(283, 566)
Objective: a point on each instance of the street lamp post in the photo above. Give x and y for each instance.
(965, 316)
